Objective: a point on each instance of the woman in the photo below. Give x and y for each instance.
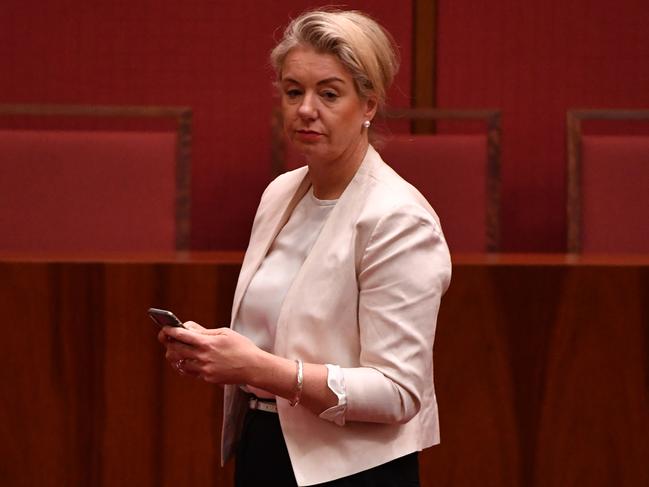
(328, 361)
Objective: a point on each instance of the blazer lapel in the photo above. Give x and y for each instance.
(347, 209)
(258, 248)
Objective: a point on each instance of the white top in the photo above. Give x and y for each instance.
(261, 304)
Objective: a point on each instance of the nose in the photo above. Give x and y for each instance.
(307, 109)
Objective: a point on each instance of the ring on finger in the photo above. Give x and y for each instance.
(179, 365)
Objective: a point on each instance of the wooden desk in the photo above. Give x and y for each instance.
(541, 370)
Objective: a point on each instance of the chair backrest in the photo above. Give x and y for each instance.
(90, 189)
(608, 185)
(458, 171)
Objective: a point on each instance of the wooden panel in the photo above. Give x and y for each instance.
(89, 399)
(540, 365)
(476, 405)
(424, 47)
(594, 424)
(542, 378)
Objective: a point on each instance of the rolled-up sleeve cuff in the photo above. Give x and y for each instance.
(336, 383)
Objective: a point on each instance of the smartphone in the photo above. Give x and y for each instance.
(164, 318)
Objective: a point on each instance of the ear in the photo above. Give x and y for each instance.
(370, 106)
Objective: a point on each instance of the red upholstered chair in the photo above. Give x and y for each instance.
(608, 184)
(458, 174)
(78, 190)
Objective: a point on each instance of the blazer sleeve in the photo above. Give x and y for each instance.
(404, 271)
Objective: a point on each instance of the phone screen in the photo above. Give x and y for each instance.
(163, 317)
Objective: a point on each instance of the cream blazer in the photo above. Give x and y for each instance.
(366, 298)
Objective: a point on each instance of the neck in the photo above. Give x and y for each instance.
(330, 178)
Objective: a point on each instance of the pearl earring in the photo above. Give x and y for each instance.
(367, 124)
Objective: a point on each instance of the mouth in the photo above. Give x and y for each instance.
(308, 136)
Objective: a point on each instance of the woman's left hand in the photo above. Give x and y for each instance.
(219, 355)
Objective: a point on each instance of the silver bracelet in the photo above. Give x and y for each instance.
(298, 384)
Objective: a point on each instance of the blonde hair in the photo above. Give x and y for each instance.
(365, 48)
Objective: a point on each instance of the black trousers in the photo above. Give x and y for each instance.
(262, 459)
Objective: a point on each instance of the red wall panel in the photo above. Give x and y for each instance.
(210, 55)
(535, 60)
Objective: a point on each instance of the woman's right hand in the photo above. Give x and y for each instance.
(219, 355)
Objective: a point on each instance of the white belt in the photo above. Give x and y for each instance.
(269, 407)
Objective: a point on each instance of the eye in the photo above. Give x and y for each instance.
(292, 93)
(329, 95)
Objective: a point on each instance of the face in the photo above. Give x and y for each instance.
(323, 113)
